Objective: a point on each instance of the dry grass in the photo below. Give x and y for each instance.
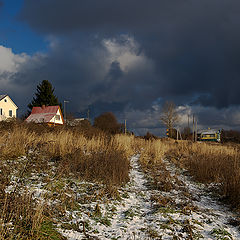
(211, 163)
(110, 166)
(207, 162)
(151, 160)
(103, 158)
(21, 218)
(153, 151)
(96, 157)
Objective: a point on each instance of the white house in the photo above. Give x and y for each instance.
(52, 115)
(8, 109)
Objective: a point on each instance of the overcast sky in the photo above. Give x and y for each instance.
(126, 56)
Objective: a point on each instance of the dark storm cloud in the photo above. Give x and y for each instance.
(130, 56)
(61, 16)
(193, 44)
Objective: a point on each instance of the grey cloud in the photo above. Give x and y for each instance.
(193, 44)
(96, 75)
(61, 16)
(111, 89)
(115, 71)
(212, 117)
(186, 51)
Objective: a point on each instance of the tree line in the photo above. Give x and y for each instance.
(107, 121)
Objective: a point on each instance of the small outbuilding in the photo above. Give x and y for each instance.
(52, 115)
(8, 109)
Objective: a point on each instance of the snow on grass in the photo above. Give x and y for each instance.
(209, 217)
(81, 210)
(191, 215)
(125, 219)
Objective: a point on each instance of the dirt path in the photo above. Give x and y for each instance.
(187, 213)
(129, 220)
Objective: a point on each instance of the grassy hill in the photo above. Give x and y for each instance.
(55, 180)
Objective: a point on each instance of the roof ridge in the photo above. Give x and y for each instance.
(3, 96)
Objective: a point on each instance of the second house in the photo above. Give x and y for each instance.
(52, 115)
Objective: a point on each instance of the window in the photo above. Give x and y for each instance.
(208, 135)
(57, 117)
(5, 100)
(1, 111)
(10, 113)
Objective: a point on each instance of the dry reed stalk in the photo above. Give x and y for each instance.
(20, 217)
(153, 152)
(16, 142)
(212, 163)
(124, 143)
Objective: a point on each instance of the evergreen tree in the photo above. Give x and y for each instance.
(44, 96)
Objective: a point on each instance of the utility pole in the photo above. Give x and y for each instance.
(193, 130)
(125, 126)
(88, 114)
(64, 105)
(180, 135)
(196, 131)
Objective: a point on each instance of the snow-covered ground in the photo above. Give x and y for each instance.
(208, 218)
(129, 219)
(191, 213)
(82, 210)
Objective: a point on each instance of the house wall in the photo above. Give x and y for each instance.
(55, 120)
(6, 106)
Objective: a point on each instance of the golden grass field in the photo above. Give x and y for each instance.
(102, 159)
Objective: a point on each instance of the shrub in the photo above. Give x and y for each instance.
(108, 123)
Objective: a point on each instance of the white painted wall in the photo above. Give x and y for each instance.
(55, 120)
(7, 104)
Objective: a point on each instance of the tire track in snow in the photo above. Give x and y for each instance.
(137, 217)
(217, 215)
(129, 220)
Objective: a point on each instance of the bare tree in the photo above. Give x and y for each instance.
(169, 116)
